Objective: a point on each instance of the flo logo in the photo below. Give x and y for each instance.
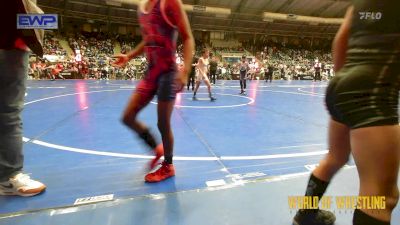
(370, 15)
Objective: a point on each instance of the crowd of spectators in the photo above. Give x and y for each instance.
(51, 45)
(286, 63)
(97, 49)
(92, 44)
(228, 49)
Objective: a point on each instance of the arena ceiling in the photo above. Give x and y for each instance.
(246, 16)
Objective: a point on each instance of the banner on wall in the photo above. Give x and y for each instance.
(53, 58)
(78, 56)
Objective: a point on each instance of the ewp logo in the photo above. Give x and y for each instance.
(37, 21)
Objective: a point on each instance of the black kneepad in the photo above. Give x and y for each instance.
(148, 138)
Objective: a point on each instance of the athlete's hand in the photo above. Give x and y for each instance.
(181, 80)
(120, 60)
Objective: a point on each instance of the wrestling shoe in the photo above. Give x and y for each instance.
(158, 152)
(162, 173)
(309, 217)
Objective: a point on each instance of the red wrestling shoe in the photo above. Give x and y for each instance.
(164, 172)
(158, 152)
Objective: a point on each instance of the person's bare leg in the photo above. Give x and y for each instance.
(164, 111)
(196, 88)
(207, 82)
(339, 151)
(376, 151)
(136, 103)
(338, 155)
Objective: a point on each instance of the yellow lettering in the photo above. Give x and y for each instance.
(326, 202)
(292, 202)
(340, 202)
(354, 202)
(315, 202)
(306, 202)
(383, 202)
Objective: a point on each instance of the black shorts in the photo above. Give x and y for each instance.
(365, 96)
(243, 75)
